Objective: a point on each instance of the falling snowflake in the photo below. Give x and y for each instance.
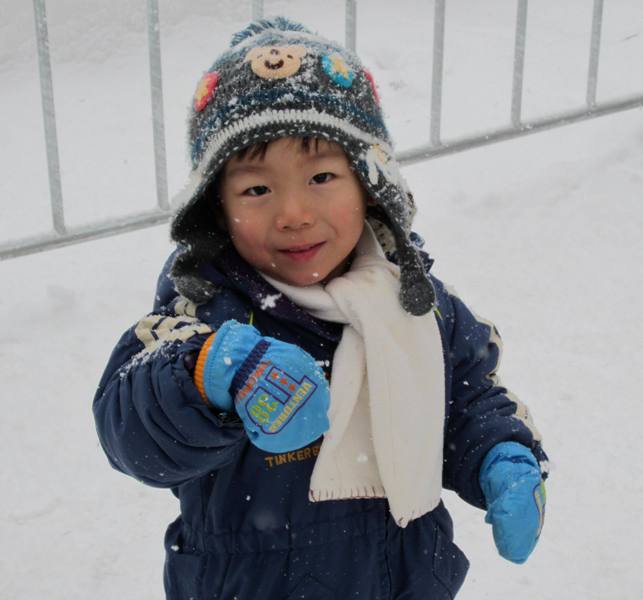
(269, 301)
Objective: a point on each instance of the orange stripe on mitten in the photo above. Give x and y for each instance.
(200, 365)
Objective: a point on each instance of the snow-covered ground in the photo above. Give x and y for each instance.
(542, 235)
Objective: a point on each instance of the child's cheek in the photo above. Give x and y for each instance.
(243, 231)
(249, 234)
(350, 213)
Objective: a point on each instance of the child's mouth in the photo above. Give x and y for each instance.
(302, 253)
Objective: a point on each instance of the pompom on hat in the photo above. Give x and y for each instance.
(278, 79)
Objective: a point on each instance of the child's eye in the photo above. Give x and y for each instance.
(323, 177)
(257, 190)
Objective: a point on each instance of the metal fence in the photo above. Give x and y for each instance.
(61, 234)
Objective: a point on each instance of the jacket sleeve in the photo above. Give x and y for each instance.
(482, 413)
(151, 420)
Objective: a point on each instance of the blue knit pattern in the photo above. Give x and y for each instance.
(248, 366)
(281, 23)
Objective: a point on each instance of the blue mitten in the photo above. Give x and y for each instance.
(276, 388)
(515, 493)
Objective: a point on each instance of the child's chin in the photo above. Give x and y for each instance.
(304, 280)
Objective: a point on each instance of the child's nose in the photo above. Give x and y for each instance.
(294, 213)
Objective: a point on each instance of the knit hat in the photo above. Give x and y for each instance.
(278, 79)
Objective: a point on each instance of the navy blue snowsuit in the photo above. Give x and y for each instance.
(246, 529)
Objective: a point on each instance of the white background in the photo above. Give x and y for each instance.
(542, 235)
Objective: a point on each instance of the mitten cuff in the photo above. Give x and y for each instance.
(200, 367)
(229, 349)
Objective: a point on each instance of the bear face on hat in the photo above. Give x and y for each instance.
(275, 62)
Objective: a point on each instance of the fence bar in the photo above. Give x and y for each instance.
(257, 9)
(350, 31)
(519, 63)
(594, 52)
(156, 86)
(436, 75)
(428, 151)
(49, 117)
(92, 231)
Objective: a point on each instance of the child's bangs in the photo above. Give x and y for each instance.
(259, 150)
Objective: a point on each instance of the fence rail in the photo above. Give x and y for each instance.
(61, 234)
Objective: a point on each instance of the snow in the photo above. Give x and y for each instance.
(269, 301)
(541, 235)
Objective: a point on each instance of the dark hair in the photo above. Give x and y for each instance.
(259, 150)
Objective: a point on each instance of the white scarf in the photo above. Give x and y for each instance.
(386, 429)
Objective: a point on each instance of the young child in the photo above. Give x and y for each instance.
(303, 385)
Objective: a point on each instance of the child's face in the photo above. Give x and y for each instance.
(294, 214)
